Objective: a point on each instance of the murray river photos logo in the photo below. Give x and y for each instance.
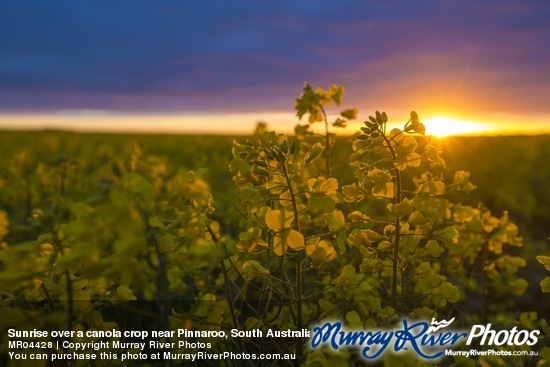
(427, 340)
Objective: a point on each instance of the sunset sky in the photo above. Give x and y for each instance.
(219, 67)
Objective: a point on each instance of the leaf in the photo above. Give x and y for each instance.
(322, 194)
(402, 209)
(294, 239)
(340, 123)
(545, 285)
(288, 238)
(350, 114)
(384, 246)
(353, 319)
(405, 155)
(433, 249)
(175, 278)
(336, 92)
(432, 188)
(353, 193)
(414, 118)
(510, 263)
(279, 219)
(313, 153)
(383, 186)
(4, 224)
(461, 181)
(544, 260)
(46, 249)
(124, 294)
(347, 276)
(253, 269)
(336, 220)
(446, 292)
(327, 186)
(320, 253)
(323, 204)
(357, 217)
(518, 286)
(420, 129)
(447, 236)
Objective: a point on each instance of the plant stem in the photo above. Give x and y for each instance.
(298, 265)
(397, 223)
(327, 142)
(225, 278)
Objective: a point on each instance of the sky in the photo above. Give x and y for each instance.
(221, 66)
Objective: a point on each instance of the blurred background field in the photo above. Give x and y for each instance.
(511, 174)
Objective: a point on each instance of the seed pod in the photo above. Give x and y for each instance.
(284, 146)
(314, 153)
(268, 153)
(260, 171)
(292, 148)
(278, 154)
(260, 163)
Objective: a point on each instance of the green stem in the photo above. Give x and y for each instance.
(70, 306)
(298, 264)
(327, 142)
(397, 223)
(226, 279)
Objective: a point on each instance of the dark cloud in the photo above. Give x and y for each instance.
(181, 56)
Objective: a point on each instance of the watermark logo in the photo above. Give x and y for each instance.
(439, 325)
(427, 340)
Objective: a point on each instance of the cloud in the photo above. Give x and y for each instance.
(241, 56)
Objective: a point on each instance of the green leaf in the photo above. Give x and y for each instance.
(336, 220)
(414, 118)
(518, 286)
(446, 292)
(320, 253)
(353, 319)
(347, 276)
(433, 249)
(288, 238)
(544, 260)
(545, 285)
(294, 239)
(447, 236)
(382, 184)
(350, 114)
(327, 186)
(405, 155)
(175, 278)
(4, 224)
(314, 153)
(420, 129)
(323, 204)
(510, 263)
(124, 294)
(402, 209)
(336, 92)
(461, 181)
(279, 219)
(353, 193)
(340, 123)
(253, 269)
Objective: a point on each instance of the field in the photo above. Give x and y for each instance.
(129, 231)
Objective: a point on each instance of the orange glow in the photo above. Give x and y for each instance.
(442, 126)
(283, 122)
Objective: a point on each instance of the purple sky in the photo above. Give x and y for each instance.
(195, 57)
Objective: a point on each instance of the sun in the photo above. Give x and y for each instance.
(442, 126)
